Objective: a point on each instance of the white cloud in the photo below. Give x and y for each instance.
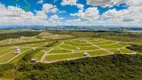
(16, 16)
(55, 18)
(86, 17)
(125, 17)
(90, 14)
(49, 8)
(41, 15)
(73, 21)
(99, 2)
(69, 2)
(131, 14)
(134, 2)
(80, 6)
(105, 3)
(40, 2)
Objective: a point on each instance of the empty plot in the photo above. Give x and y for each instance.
(114, 46)
(38, 55)
(67, 49)
(5, 50)
(78, 44)
(97, 52)
(126, 51)
(64, 51)
(106, 43)
(122, 51)
(67, 41)
(98, 40)
(67, 46)
(7, 57)
(59, 51)
(88, 48)
(113, 50)
(64, 56)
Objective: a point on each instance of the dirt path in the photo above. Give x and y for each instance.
(45, 54)
(102, 48)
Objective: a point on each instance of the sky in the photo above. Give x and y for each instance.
(116, 13)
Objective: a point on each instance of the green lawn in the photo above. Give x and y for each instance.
(68, 47)
(5, 50)
(60, 51)
(125, 51)
(97, 52)
(106, 43)
(38, 55)
(64, 48)
(113, 50)
(88, 48)
(79, 44)
(64, 56)
(114, 46)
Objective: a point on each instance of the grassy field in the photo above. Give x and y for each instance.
(63, 50)
(68, 49)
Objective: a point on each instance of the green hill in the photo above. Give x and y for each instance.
(114, 67)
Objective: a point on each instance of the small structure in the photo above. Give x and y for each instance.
(117, 43)
(21, 41)
(77, 48)
(33, 60)
(43, 51)
(33, 49)
(87, 42)
(17, 50)
(72, 51)
(118, 51)
(46, 43)
(80, 41)
(85, 54)
(9, 41)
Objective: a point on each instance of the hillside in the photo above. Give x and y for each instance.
(114, 67)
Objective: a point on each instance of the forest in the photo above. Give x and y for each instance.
(120, 67)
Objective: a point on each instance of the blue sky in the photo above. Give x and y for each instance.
(75, 12)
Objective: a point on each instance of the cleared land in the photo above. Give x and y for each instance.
(64, 50)
(67, 49)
